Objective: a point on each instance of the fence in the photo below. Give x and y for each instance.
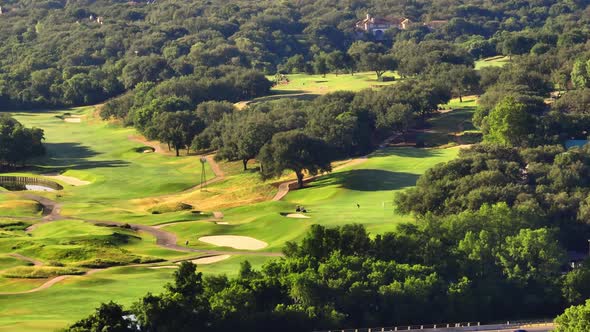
(21, 183)
(447, 327)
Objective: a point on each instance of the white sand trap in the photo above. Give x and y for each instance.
(234, 241)
(73, 120)
(210, 260)
(148, 151)
(297, 216)
(222, 223)
(67, 179)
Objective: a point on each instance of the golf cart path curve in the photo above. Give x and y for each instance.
(34, 261)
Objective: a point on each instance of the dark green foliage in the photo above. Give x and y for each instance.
(109, 317)
(295, 151)
(17, 143)
(442, 269)
(574, 319)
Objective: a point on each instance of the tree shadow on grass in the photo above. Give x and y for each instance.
(406, 152)
(370, 180)
(74, 156)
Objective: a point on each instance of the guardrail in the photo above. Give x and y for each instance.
(451, 327)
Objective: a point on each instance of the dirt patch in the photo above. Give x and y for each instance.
(67, 179)
(234, 241)
(297, 216)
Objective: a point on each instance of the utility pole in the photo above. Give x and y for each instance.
(204, 176)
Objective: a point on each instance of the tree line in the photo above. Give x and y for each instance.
(66, 53)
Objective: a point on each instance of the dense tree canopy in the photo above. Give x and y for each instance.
(17, 143)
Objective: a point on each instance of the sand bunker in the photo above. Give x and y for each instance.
(67, 179)
(73, 119)
(297, 216)
(234, 241)
(198, 261)
(222, 223)
(210, 260)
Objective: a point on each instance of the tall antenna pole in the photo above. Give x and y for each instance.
(203, 175)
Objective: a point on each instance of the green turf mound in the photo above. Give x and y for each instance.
(40, 272)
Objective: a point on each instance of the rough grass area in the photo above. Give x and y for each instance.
(40, 272)
(20, 207)
(79, 244)
(7, 262)
(170, 207)
(11, 225)
(238, 188)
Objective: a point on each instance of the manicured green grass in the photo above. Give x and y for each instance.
(102, 153)
(77, 296)
(318, 84)
(308, 87)
(331, 200)
(496, 61)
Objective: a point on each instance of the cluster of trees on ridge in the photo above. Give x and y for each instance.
(59, 52)
(17, 143)
(283, 134)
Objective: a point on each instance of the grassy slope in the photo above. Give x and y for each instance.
(495, 61)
